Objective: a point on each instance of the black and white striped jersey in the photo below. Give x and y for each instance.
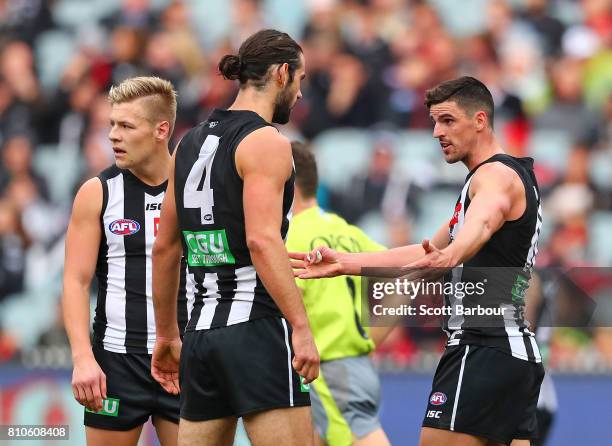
(503, 268)
(224, 288)
(124, 320)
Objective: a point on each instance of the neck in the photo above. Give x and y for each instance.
(485, 147)
(155, 170)
(259, 101)
(301, 204)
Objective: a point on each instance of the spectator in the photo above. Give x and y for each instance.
(17, 166)
(13, 245)
(567, 110)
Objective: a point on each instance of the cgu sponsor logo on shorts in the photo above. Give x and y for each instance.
(124, 226)
(208, 248)
(437, 398)
(110, 408)
(304, 387)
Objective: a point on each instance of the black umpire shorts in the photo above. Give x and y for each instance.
(132, 393)
(238, 370)
(483, 392)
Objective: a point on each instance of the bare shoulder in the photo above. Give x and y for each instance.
(495, 175)
(265, 139)
(88, 200)
(265, 144)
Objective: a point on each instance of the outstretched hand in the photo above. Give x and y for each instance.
(433, 265)
(318, 263)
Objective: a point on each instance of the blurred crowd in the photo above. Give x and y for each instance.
(369, 62)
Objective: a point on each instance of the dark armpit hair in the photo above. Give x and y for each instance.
(468, 92)
(306, 175)
(257, 53)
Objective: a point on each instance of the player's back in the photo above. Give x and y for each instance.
(224, 288)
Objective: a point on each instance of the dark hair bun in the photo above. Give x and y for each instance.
(230, 67)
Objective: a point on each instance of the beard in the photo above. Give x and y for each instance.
(282, 107)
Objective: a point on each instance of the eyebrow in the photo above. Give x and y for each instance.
(442, 116)
(121, 122)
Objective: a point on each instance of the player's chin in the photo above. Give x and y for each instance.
(451, 158)
(123, 163)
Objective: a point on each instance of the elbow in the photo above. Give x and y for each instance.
(158, 250)
(163, 250)
(259, 243)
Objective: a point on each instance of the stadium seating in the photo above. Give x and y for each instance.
(53, 50)
(61, 168)
(550, 148)
(600, 242)
(341, 154)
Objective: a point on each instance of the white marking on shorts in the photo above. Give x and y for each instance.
(288, 362)
(452, 425)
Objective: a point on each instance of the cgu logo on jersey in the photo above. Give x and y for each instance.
(110, 408)
(124, 226)
(208, 248)
(437, 398)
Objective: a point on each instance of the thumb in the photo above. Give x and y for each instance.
(427, 246)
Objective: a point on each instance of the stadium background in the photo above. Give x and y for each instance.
(548, 64)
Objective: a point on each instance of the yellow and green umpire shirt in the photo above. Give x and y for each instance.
(333, 305)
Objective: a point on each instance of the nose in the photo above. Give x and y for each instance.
(113, 134)
(437, 131)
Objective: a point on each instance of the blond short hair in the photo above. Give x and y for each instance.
(159, 93)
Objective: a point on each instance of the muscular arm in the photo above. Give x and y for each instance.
(352, 263)
(166, 264)
(82, 245)
(166, 276)
(492, 194)
(264, 162)
(331, 263)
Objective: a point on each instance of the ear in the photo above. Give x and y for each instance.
(282, 77)
(162, 131)
(482, 121)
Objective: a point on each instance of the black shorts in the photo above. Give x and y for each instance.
(481, 391)
(132, 393)
(239, 369)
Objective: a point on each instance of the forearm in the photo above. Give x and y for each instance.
(469, 240)
(269, 257)
(166, 276)
(354, 263)
(75, 308)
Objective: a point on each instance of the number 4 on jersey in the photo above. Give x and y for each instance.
(197, 192)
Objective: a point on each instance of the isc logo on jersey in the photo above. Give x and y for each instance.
(124, 226)
(437, 398)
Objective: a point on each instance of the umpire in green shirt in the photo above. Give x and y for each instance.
(346, 396)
